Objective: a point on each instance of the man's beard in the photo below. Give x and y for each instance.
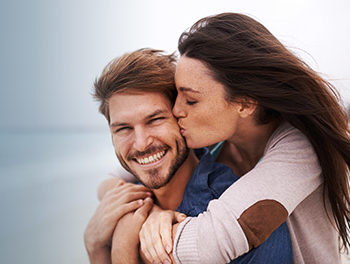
(154, 180)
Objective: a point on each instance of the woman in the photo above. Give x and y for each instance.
(285, 135)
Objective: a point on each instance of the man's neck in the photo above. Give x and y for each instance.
(170, 196)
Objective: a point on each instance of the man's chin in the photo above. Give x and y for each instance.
(155, 184)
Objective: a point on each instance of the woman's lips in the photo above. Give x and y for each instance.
(182, 130)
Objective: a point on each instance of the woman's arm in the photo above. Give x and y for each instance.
(107, 185)
(115, 203)
(119, 177)
(125, 242)
(156, 235)
(254, 206)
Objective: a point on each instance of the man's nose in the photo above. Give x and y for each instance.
(143, 139)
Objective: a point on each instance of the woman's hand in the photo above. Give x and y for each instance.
(116, 202)
(107, 185)
(156, 235)
(125, 242)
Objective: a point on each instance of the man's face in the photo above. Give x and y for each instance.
(146, 137)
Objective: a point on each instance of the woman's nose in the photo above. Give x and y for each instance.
(178, 111)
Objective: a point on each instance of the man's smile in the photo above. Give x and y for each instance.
(151, 158)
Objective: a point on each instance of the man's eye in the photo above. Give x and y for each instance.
(156, 119)
(191, 102)
(122, 129)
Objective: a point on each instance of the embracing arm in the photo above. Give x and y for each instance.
(107, 185)
(254, 206)
(125, 242)
(115, 203)
(119, 177)
(157, 233)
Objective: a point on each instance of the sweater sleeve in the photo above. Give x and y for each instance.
(255, 205)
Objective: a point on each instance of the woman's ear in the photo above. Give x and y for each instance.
(246, 107)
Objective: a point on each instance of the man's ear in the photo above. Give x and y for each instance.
(246, 107)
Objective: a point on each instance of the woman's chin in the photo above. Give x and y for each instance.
(194, 144)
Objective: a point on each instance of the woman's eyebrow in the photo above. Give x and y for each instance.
(186, 89)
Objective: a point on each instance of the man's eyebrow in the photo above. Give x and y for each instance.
(116, 124)
(155, 113)
(186, 89)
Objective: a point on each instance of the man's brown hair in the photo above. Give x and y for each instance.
(144, 70)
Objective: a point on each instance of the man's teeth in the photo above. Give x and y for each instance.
(152, 158)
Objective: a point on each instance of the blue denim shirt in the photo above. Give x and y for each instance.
(208, 181)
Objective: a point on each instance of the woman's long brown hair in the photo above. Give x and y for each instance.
(244, 56)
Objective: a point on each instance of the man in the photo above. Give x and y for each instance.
(137, 93)
(145, 136)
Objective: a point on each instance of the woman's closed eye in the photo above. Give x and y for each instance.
(191, 102)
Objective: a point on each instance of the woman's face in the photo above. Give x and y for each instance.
(204, 115)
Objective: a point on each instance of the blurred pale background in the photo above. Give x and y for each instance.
(55, 147)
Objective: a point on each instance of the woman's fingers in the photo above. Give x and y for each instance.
(179, 217)
(116, 202)
(110, 215)
(125, 188)
(118, 199)
(131, 196)
(108, 185)
(133, 187)
(156, 236)
(165, 230)
(126, 208)
(141, 206)
(148, 250)
(143, 211)
(146, 235)
(101, 226)
(166, 226)
(159, 249)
